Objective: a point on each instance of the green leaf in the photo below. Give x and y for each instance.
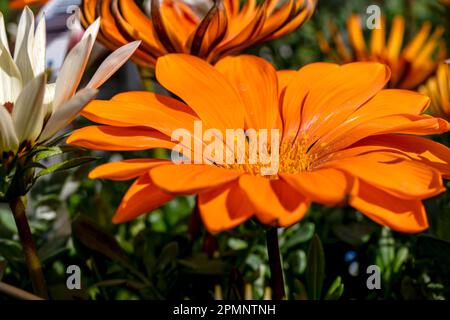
(297, 261)
(168, 255)
(58, 139)
(387, 248)
(400, 258)
(315, 269)
(11, 251)
(300, 235)
(47, 153)
(237, 244)
(336, 290)
(354, 234)
(66, 165)
(7, 219)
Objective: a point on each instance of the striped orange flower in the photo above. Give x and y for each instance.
(18, 4)
(343, 140)
(438, 89)
(175, 27)
(411, 63)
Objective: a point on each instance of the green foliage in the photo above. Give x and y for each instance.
(315, 269)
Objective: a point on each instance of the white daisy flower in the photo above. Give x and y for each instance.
(32, 111)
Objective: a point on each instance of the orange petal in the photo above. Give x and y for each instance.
(191, 178)
(142, 197)
(147, 109)
(385, 103)
(325, 186)
(398, 214)
(400, 124)
(274, 201)
(420, 149)
(356, 37)
(296, 92)
(414, 46)
(126, 169)
(210, 31)
(214, 99)
(400, 177)
(18, 4)
(118, 139)
(284, 77)
(378, 38)
(396, 38)
(339, 94)
(242, 31)
(256, 82)
(303, 11)
(224, 207)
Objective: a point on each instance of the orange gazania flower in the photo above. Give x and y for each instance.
(343, 140)
(174, 26)
(18, 4)
(411, 64)
(438, 89)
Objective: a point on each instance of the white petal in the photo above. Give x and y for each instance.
(74, 65)
(8, 137)
(111, 64)
(66, 113)
(92, 30)
(28, 113)
(24, 44)
(39, 47)
(3, 37)
(71, 72)
(10, 78)
(49, 96)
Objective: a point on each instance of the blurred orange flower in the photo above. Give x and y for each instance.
(411, 64)
(438, 89)
(175, 27)
(343, 140)
(18, 4)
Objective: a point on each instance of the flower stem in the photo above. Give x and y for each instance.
(17, 293)
(276, 269)
(29, 248)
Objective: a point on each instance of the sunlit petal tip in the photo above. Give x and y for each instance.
(112, 63)
(3, 35)
(72, 71)
(93, 29)
(23, 55)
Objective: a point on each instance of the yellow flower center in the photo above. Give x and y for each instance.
(293, 157)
